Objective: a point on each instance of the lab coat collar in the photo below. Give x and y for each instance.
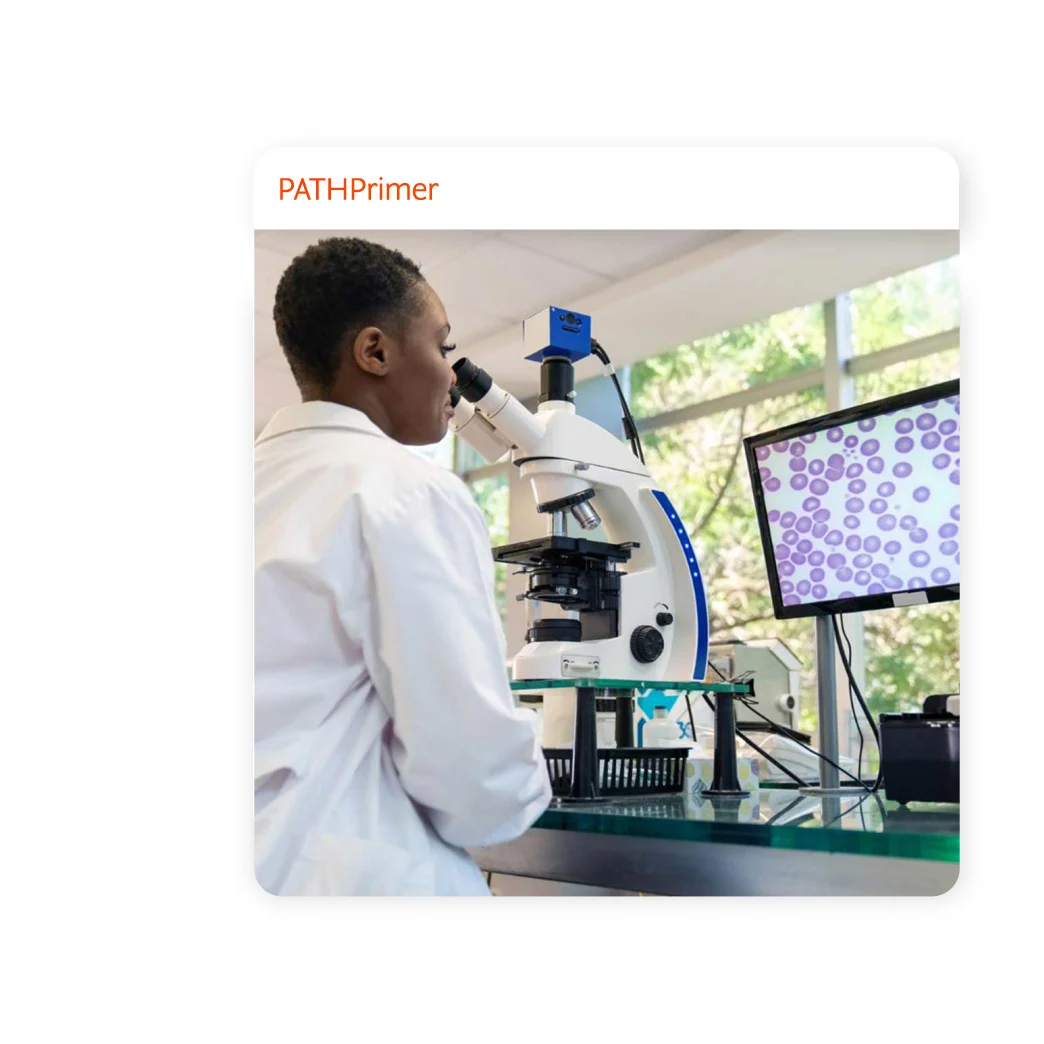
(305, 415)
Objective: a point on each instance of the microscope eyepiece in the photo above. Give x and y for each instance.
(472, 381)
(454, 394)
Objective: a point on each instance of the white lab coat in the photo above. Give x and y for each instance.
(386, 737)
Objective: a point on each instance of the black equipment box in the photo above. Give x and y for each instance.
(921, 757)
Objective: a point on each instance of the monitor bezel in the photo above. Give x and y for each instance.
(861, 603)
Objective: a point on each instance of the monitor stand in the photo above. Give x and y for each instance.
(826, 686)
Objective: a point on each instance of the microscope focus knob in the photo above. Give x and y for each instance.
(646, 643)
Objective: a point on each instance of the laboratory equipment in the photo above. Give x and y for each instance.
(921, 755)
(859, 509)
(777, 673)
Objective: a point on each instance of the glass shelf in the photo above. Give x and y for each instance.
(645, 685)
(778, 817)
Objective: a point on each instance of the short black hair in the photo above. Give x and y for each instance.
(335, 287)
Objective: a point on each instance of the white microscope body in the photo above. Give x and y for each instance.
(655, 627)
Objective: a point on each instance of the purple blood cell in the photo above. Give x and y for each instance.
(782, 552)
(854, 503)
(791, 536)
(773, 515)
(819, 530)
(877, 505)
(797, 449)
(798, 463)
(926, 421)
(916, 582)
(819, 487)
(791, 600)
(834, 537)
(886, 489)
(880, 570)
(931, 405)
(772, 485)
(919, 558)
(816, 558)
(797, 558)
(955, 477)
(803, 587)
(856, 486)
(785, 568)
(955, 512)
(870, 447)
(817, 574)
(893, 547)
(854, 542)
(908, 522)
(803, 524)
(815, 467)
(862, 560)
(852, 441)
(854, 471)
(799, 482)
(836, 462)
(786, 586)
(948, 547)
(876, 465)
(886, 522)
(893, 582)
(808, 438)
(819, 591)
(804, 546)
(780, 447)
(811, 503)
(872, 544)
(862, 578)
(875, 588)
(833, 476)
(788, 519)
(931, 440)
(851, 522)
(835, 561)
(957, 558)
(921, 494)
(844, 574)
(941, 461)
(948, 427)
(835, 434)
(947, 530)
(919, 535)
(904, 426)
(905, 444)
(868, 424)
(902, 469)
(846, 594)
(821, 515)
(953, 444)
(762, 453)
(764, 473)
(941, 574)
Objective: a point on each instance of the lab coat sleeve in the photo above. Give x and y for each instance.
(463, 751)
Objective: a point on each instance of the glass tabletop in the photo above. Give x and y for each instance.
(644, 685)
(776, 817)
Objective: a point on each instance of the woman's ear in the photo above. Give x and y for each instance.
(370, 351)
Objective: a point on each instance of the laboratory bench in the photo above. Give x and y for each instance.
(777, 841)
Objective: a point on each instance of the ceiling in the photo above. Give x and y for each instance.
(646, 291)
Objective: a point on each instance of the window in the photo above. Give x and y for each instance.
(908, 376)
(906, 307)
(491, 494)
(741, 358)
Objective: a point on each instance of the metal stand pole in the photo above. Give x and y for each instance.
(826, 683)
(726, 776)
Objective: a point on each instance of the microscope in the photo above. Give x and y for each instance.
(627, 608)
(631, 606)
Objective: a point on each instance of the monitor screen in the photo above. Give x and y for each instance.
(861, 509)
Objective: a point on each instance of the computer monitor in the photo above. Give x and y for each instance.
(860, 509)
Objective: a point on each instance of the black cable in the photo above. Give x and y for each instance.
(630, 428)
(862, 703)
(851, 702)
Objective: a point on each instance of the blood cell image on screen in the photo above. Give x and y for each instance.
(867, 508)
